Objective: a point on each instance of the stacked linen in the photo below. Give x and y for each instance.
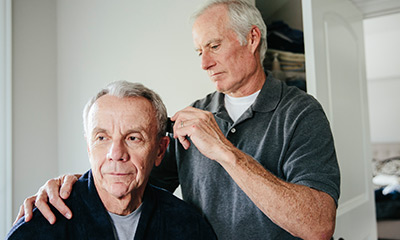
(285, 55)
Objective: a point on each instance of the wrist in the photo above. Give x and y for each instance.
(230, 156)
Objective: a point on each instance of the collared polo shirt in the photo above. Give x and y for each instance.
(285, 130)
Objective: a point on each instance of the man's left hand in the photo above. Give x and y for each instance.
(204, 132)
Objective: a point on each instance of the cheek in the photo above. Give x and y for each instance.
(97, 157)
(233, 65)
(140, 165)
(237, 56)
(143, 163)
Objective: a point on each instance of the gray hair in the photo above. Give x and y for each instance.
(242, 16)
(124, 89)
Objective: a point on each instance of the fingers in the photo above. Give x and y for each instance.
(190, 117)
(186, 114)
(202, 129)
(53, 189)
(42, 204)
(26, 209)
(20, 214)
(49, 193)
(66, 188)
(179, 120)
(184, 141)
(185, 122)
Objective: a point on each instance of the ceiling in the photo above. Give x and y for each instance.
(369, 8)
(375, 8)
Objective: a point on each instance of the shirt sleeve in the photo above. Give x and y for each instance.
(311, 157)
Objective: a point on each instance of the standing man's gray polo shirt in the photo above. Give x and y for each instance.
(285, 130)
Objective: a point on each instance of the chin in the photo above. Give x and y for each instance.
(219, 87)
(223, 85)
(119, 190)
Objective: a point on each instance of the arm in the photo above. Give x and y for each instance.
(54, 191)
(278, 199)
(315, 211)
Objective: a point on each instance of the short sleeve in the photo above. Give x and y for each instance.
(311, 158)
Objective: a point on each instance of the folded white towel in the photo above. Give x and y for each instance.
(384, 180)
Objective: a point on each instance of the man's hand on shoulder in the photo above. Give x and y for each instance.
(53, 192)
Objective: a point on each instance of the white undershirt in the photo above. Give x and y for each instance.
(236, 106)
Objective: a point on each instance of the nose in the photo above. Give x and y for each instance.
(207, 61)
(117, 152)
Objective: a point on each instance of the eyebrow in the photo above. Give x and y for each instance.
(217, 40)
(97, 130)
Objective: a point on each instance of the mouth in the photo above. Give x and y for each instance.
(118, 174)
(213, 75)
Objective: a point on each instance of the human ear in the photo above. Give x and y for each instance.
(254, 38)
(162, 148)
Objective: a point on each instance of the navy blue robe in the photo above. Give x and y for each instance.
(163, 217)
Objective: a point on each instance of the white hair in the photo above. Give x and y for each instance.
(124, 89)
(242, 16)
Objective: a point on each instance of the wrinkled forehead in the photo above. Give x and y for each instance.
(211, 25)
(127, 112)
(215, 17)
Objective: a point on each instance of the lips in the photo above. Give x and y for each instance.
(215, 74)
(117, 174)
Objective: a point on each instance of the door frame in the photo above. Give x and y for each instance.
(5, 116)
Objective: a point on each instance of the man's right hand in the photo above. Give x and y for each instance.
(52, 192)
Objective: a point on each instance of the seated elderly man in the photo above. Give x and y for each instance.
(125, 131)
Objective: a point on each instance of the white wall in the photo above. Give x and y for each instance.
(144, 41)
(66, 50)
(34, 97)
(382, 51)
(5, 117)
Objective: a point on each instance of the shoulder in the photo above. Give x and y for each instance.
(180, 218)
(81, 187)
(40, 228)
(172, 203)
(294, 98)
(207, 102)
(300, 111)
(280, 99)
(297, 106)
(37, 228)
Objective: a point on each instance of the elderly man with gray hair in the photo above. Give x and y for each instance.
(256, 156)
(125, 130)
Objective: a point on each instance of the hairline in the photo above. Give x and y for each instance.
(235, 28)
(131, 90)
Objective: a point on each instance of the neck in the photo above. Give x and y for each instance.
(122, 205)
(253, 82)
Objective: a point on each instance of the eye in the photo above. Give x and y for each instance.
(132, 138)
(135, 138)
(215, 47)
(100, 138)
